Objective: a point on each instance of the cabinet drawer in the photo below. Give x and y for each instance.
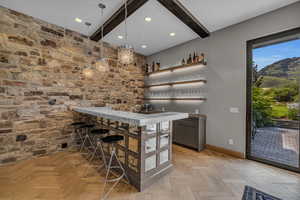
(187, 122)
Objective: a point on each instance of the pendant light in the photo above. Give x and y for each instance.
(102, 63)
(88, 70)
(125, 52)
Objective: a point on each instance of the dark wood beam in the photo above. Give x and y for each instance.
(175, 7)
(117, 18)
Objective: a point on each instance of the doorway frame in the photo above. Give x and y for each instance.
(250, 44)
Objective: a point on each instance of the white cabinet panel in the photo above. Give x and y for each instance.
(164, 156)
(150, 163)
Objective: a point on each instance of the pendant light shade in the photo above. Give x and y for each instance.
(126, 52)
(101, 65)
(88, 72)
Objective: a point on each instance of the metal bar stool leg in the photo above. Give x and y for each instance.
(116, 180)
(86, 137)
(101, 156)
(83, 139)
(112, 140)
(96, 138)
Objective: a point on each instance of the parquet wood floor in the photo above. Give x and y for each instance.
(196, 176)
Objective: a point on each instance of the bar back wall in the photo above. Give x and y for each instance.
(41, 63)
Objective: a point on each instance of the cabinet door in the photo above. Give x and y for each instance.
(185, 135)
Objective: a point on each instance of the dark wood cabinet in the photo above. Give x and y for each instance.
(190, 132)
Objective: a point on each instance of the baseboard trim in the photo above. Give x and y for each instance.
(226, 151)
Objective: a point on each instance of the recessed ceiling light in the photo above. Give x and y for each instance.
(120, 37)
(148, 19)
(172, 34)
(144, 46)
(78, 20)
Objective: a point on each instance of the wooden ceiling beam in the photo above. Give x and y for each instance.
(175, 7)
(117, 18)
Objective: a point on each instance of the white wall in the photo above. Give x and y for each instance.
(226, 55)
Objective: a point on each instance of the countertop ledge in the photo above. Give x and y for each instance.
(137, 119)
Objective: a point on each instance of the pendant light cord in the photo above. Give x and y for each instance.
(125, 20)
(102, 28)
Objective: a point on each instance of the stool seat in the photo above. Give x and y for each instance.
(112, 138)
(87, 126)
(99, 131)
(77, 123)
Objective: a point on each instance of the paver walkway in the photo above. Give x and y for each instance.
(277, 144)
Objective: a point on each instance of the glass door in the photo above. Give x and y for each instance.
(273, 100)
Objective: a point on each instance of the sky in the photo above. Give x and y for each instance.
(267, 55)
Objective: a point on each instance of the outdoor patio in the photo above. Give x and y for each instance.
(277, 144)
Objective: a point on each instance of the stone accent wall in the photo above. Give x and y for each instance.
(39, 63)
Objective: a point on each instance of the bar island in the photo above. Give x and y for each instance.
(146, 152)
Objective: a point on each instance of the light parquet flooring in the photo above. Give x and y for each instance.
(196, 176)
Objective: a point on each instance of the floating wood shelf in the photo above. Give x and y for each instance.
(184, 99)
(176, 83)
(174, 68)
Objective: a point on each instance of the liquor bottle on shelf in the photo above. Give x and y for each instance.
(204, 61)
(146, 69)
(149, 68)
(201, 58)
(183, 62)
(157, 66)
(197, 58)
(153, 66)
(194, 58)
(189, 61)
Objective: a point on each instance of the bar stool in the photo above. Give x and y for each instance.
(86, 137)
(96, 136)
(76, 131)
(113, 140)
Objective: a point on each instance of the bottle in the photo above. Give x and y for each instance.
(147, 69)
(197, 58)
(183, 62)
(158, 66)
(194, 58)
(189, 61)
(153, 66)
(201, 58)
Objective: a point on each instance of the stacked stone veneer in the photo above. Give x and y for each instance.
(40, 62)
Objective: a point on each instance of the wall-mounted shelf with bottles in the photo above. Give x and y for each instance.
(176, 83)
(187, 84)
(176, 67)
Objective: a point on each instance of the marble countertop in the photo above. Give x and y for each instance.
(137, 119)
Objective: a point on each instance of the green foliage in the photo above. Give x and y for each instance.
(273, 87)
(292, 114)
(279, 111)
(273, 82)
(285, 94)
(297, 98)
(288, 92)
(262, 109)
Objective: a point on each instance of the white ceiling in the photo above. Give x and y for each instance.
(154, 34)
(218, 14)
(213, 14)
(64, 12)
